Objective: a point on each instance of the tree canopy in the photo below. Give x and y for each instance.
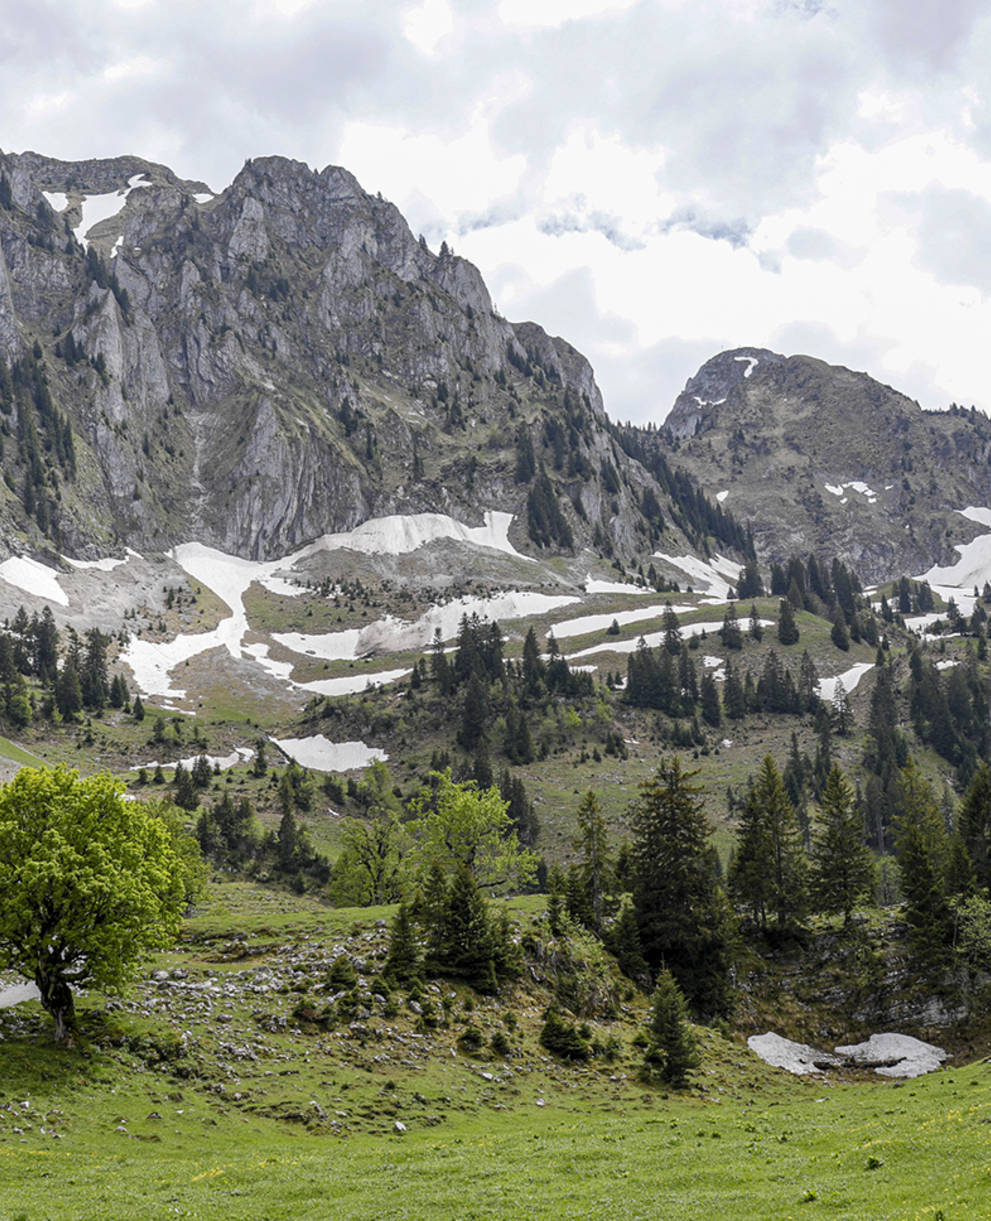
(88, 883)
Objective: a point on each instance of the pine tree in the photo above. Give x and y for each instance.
(403, 961)
(787, 627)
(683, 919)
(923, 855)
(593, 867)
(711, 712)
(730, 633)
(672, 1051)
(773, 867)
(839, 635)
(975, 824)
(842, 868)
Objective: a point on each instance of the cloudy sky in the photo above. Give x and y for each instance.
(655, 180)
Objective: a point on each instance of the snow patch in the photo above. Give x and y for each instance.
(135, 181)
(96, 208)
(894, 1055)
(849, 678)
(351, 684)
(34, 578)
(855, 485)
(203, 197)
(972, 568)
(595, 623)
(655, 639)
(752, 363)
(240, 754)
(108, 564)
(721, 496)
(322, 755)
(593, 586)
(56, 200)
(716, 574)
(798, 1058)
(401, 534)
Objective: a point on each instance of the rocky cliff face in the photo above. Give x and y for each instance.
(259, 367)
(819, 458)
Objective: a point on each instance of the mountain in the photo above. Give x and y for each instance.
(256, 368)
(817, 458)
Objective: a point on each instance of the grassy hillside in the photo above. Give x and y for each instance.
(193, 1098)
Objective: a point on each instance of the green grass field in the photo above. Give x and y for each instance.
(170, 1109)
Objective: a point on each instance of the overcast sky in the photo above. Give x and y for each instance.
(655, 181)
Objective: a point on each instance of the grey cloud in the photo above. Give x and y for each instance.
(954, 237)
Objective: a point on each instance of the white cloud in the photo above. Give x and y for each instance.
(653, 180)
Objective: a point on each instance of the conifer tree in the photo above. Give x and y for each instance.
(772, 874)
(594, 867)
(730, 633)
(975, 824)
(842, 868)
(787, 627)
(672, 1051)
(711, 711)
(682, 916)
(402, 963)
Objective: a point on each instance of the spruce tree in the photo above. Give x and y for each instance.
(672, 1051)
(402, 963)
(772, 874)
(975, 824)
(842, 867)
(787, 627)
(682, 916)
(594, 867)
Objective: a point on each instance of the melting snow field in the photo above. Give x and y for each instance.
(716, 575)
(752, 363)
(240, 754)
(592, 586)
(322, 755)
(855, 485)
(595, 623)
(399, 535)
(392, 635)
(654, 639)
(972, 568)
(894, 1055)
(721, 496)
(34, 578)
(849, 678)
(798, 1058)
(56, 200)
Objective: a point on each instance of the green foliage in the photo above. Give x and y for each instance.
(682, 915)
(464, 939)
(769, 871)
(562, 1038)
(672, 1050)
(403, 960)
(842, 867)
(88, 883)
(456, 825)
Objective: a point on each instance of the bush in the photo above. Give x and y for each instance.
(561, 1038)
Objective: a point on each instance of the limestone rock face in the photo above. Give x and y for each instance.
(258, 367)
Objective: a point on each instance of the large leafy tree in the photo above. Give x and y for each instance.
(88, 883)
(682, 916)
(462, 825)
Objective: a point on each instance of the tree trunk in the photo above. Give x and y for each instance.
(56, 999)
